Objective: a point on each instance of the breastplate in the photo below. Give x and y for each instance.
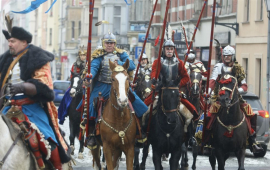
(105, 71)
(169, 69)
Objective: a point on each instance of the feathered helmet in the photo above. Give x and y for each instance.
(82, 51)
(108, 37)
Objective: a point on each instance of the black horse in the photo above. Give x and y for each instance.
(142, 89)
(76, 91)
(166, 133)
(230, 129)
(194, 96)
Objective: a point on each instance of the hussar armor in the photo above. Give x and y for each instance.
(105, 72)
(145, 70)
(217, 71)
(196, 64)
(169, 69)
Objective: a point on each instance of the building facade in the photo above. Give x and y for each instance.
(251, 45)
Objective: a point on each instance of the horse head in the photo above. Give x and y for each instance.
(170, 99)
(195, 81)
(120, 83)
(76, 84)
(228, 91)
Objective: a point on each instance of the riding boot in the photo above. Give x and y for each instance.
(90, 140)
(33, 143)
(55, 159)
(256, 148)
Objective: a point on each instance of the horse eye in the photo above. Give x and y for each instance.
(113, 80)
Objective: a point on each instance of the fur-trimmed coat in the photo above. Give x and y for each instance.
(35, 69)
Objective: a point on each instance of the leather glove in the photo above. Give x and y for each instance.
(241, 90)
(184, 96)
(154, 81)
(16, 88)
(26, 88)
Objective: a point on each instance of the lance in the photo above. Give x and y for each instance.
(184, 32)
(208, 73)
(144, 43)
(175, 51)
(193, 37)
(158, 63)
(88, 77)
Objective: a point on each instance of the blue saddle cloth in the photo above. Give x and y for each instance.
(63, 107)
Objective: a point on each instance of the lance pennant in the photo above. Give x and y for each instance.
(34, 5)
(130, 1)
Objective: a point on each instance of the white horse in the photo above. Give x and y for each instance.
(19, 157)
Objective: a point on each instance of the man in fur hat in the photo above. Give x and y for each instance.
(26, 78)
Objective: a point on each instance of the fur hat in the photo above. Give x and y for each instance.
(21, 34)
(6, 34)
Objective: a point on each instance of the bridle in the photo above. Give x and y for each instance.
(194, 82)
(79, 88)
(226, 80)
(162, 104)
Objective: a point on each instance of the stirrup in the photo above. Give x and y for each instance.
(91, 142)
(256, 148)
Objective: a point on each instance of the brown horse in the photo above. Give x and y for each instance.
(117, 124)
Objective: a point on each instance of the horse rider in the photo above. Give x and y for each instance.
(101, 75)
(227, 65)
(25, 71)
(144, 69)
(79, 65)
(167, 68)
(194, 63)
(77, 68)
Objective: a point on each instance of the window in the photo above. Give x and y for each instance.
(80, 28)
(138, 10)
(246, 11)
(117, 20)
(259, 10)
(72, 30)
(226, 6)
(95, 20)
(50, 37)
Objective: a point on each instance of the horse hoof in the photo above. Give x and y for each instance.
(80, 155)
(72, 149)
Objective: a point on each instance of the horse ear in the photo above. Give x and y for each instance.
(112, 65)
(126, 65)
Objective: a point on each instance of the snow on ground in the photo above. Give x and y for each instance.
(202, 161)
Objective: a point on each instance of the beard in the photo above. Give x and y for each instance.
(12, 51)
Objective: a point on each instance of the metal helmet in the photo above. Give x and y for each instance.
(190, 51)
(144, 56)
(108, 37)
(191, 56)
(228, 50)
(168, 43)
(82, 51)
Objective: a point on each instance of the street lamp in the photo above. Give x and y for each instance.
(267, 2)
(234, 26)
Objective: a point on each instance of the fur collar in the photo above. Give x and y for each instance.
(32, 60)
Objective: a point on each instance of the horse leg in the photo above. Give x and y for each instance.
(80, 155)
(157, 159)
(116, 158)
(71, 137)
(145, 154)
(195, 149)
(212, 160)
(174, 160)
(108, 156)
(136, 165)
(96, 157)
(241, 158)
(184, 160)
(129, 157)
(220, 159)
